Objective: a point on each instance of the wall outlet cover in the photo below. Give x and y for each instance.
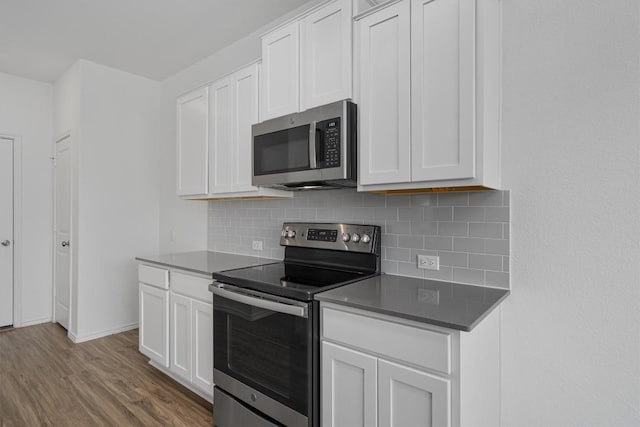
(429, 262)
(256, 245)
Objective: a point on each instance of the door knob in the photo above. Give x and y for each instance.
(5, 242)
(65, 243)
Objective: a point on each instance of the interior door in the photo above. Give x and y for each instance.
(63, 232)
(6, 232)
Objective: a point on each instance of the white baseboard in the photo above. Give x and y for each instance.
(32, 322)
(92, 336)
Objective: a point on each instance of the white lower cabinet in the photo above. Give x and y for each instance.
(153, 313)
(192, 331)
(154, 323)
(379, 370)
(410, 397)
(176, 326)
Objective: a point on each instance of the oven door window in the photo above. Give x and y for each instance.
(282, 151)
(263, 349)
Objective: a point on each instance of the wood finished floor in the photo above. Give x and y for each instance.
(46, 380)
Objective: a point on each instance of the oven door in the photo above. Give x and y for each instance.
(263, 352)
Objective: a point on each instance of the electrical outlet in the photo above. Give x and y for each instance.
(429, 262)
(256, 245)
(428, 296)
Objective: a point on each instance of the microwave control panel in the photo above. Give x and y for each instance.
(330, 152)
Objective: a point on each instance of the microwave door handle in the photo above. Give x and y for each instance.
(260, 302)
(313, 164)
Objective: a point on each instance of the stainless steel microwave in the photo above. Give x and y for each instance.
(315, 148)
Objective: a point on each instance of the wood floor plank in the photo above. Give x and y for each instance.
(46, 380)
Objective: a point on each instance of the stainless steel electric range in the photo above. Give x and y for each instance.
(266, 324)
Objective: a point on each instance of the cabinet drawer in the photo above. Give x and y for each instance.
(158, 277)
(421, 347)
(191, 286)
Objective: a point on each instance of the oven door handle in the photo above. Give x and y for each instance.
(279, 307)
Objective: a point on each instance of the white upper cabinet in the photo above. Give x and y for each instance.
(442, 102)
(307, 62)
(280, 72)
(435, 121)
(230, 109)
(385, 96)
(192, 147)
(326, 38)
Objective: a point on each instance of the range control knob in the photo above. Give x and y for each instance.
(346, 237)
(355, 237)
(291, 234)
(366, 238)
(283, 233)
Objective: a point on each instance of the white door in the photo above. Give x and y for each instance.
(385, 96)
(6, 232)
(63, 232)
(326, 55)
(407, 397)
(348, 389)
(442, 89)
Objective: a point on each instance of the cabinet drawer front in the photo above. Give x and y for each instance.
(191, 286)
(158, 277)
(421, 347)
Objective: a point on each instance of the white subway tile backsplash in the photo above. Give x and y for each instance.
(433, 213)
(412, 242)
(485, 198)
(453, 199)
(454, 259)
(453, 229)
(398, 254)
(443, 243)
(485, 229)
(485, 262)
(445, 273)
(466, 275)
(468, 231)
(498, 279)
(465, 213)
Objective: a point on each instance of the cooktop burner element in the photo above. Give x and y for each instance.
(318, 257)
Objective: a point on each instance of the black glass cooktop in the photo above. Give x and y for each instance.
(288, 279)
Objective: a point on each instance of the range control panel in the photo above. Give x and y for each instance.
(334, 236)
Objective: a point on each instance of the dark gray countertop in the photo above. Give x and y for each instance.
(451, 305)
(205, 262)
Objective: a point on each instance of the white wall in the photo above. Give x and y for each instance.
(114, 123)
(571, 135)
(26, 111)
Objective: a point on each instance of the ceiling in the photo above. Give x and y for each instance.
(40, 39)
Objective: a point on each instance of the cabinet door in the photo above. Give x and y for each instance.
(325, 49)
(202, 342)
(348, 389)
(443, 87)
(245, 112)
(221, 136)
(154, 323)
(280, 78)
(407, 397)
(192, 144)
(385, 103)
(181, 336)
